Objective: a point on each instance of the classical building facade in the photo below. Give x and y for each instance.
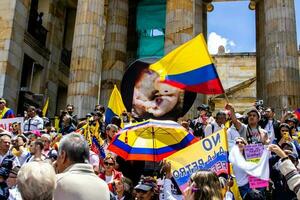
(74, 51)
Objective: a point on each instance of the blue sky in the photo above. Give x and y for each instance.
(233, 26)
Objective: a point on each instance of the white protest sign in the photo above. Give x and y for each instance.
(6, 123)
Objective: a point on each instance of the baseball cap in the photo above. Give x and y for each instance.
(145, 185)
(254, 110)
(203, 107)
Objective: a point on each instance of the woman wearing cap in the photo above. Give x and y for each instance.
(146, 189)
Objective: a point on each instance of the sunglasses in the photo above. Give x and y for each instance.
(239, 142)
(109, 164)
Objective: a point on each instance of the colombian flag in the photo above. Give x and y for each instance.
(115, 105)
(190, 67)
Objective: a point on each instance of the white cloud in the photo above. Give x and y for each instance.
(215, 40)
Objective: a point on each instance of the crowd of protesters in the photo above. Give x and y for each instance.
(41, 161)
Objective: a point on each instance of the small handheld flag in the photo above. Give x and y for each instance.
(115, 105)
(190, 67)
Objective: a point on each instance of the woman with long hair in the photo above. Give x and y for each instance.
(204, 185)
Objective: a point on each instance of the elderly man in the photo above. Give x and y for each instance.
(36, 180)
(34, 122)
(76, 178)
(5, 153)
(5, 112)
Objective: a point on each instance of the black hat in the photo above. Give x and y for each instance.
(292, 119)
(203, 107)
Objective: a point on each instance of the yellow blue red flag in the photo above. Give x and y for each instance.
(210, 153)
(115, 105)
(190, 67)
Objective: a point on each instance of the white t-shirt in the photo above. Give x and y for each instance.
(270, 130)
(240, 175)
(109, 179)
(212, 128)
(232, 133)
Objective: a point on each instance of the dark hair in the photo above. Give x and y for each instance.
(220, 113)
(253, 195)
(116, 120)
(284, 125)
(75, 147)
(38, 142)
(101, 109)
(70, 105)
(271, 108)
(31, 108)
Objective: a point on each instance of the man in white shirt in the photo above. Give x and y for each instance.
(216, 125)
(34, 122)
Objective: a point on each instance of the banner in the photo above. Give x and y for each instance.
(260, 170)
(6, 123)
(253, 152)
(209, 153)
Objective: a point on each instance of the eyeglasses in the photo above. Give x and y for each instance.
(109, 164)
(239, 142)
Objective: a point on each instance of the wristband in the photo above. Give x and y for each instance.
(284, 158)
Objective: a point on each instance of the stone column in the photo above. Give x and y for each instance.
(114, 54)
(282, 79)
(13, 23)
(260, 49)
(184, 20)
(86, 61)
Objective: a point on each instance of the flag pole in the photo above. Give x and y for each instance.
(226, 97)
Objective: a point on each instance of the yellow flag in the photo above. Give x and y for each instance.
(115, 105)
(45, 108)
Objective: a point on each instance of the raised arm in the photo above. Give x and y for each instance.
(234, 120)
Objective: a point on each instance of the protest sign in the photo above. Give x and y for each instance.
(6, 123)
(209, 153)
(253, 153)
